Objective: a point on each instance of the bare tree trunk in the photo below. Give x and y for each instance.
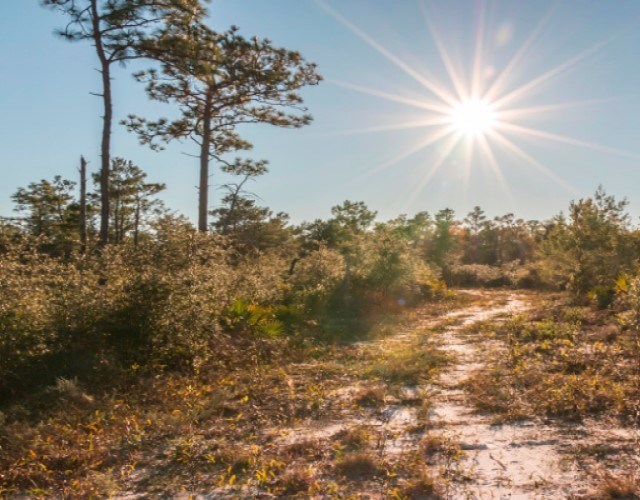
(106, 160)
(116, 221)
(203, 201)
(231, 216)
(107, 119)
(136, 224)
(83, 205)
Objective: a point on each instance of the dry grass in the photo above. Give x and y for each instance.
(359, 467)
(408, 365)
(312, 448)
(354, 438)
(433, 444)
(611, 487)
(424, 487)
(370, 397)
(298, 481)
(563, 361)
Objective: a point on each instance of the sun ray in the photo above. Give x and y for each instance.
(523, 113)
(531, 132)
(497, 86)
(434, 122)
(462, 93)
(421, 104)
(507, 144)
(449, 146)
(434, 88)
(428, 141)
(568, 65)
(495, 168)
(476, 78)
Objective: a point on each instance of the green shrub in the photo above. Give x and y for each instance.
(251, 319)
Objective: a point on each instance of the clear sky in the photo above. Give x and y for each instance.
(589, 49)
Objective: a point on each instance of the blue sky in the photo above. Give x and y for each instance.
(48, 118)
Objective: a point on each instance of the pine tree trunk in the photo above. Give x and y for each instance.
(136, 224)
(83, 205)
(106, 159)
(203, 201)
(107, 119)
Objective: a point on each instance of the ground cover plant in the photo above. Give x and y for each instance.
(574, 367)
(564, 361)
(207, 429)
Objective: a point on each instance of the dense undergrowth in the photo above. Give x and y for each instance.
(167, 431)
(177, 340)
(175, 302)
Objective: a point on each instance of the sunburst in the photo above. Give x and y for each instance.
(473, 117)
(482, 115)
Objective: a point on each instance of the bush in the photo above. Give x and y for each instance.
(161, 305)
(178, 299)
(315, 280)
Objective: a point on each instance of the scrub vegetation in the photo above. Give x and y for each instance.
(246, 355)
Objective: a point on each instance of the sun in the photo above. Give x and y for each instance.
(473, 117)
(479, 113)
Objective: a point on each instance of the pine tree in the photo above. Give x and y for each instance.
(118, 29)
(220, 81)
(50, 210)
(132, 199)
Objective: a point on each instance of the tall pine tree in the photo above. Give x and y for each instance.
(219, 81)
(118, 29)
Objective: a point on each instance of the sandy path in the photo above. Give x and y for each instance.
(531, 459)
(528, 459)
(501, 461)
(498, 461)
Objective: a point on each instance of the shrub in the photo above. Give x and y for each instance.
(359, 467)
(251, 319)
(164, 304)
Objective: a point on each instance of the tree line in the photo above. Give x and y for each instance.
(586, 250)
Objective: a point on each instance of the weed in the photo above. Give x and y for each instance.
(354, 438)
(69, 390)
(359, 466)
(618, 487)
(441, 450)
(562, 362)
(305, 448)
(408, 365)
(433, 444)
(424, 487)
(370, 396)
(297, 481)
